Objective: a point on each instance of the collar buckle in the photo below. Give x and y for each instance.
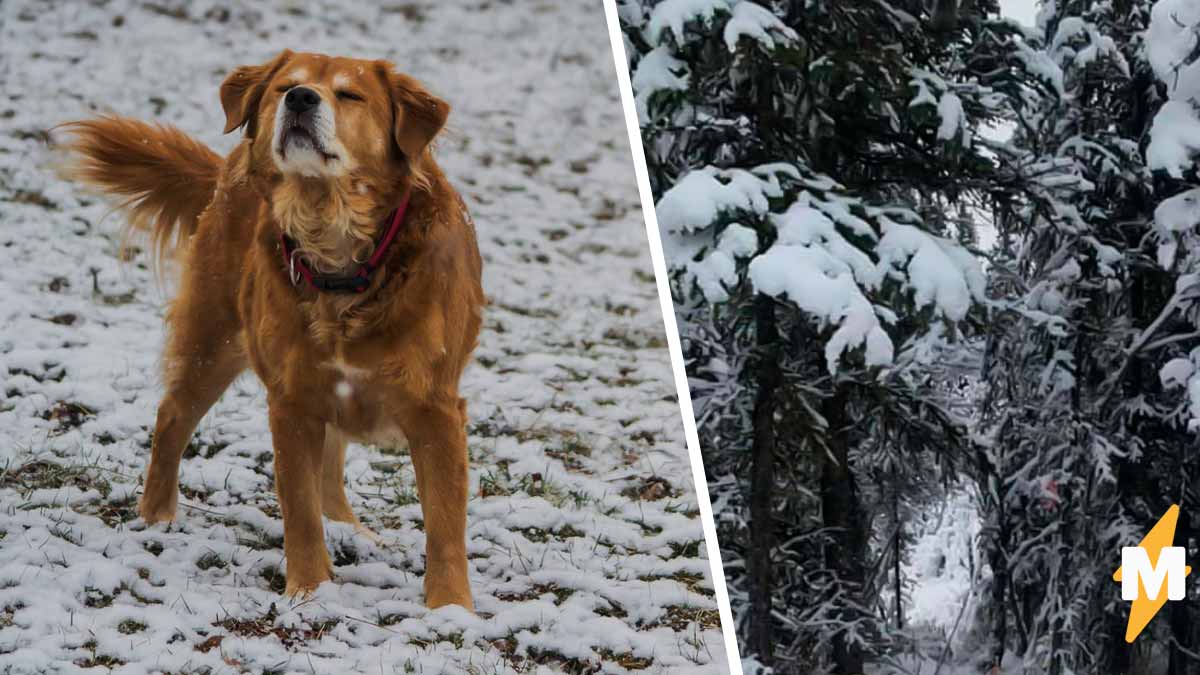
(293, 273)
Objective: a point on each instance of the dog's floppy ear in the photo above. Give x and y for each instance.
(242, 92)
(418, 115)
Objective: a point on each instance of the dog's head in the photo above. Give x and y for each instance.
(320, 116)
(333, 141)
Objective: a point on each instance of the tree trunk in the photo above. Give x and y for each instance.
(758, 558)
(897, 539)
(896, 575)
(945, 15)
(999, 563)
(843, 518)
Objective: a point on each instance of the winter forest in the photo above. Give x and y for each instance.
(938, 278)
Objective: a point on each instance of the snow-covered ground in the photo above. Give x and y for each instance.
(585, 541)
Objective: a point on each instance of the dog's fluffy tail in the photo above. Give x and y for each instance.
(165, 177)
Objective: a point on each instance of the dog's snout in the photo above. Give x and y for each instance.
(301, 99)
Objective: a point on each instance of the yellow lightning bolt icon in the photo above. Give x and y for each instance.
(1143, 609)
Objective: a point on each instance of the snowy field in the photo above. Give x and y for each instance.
(585, 541)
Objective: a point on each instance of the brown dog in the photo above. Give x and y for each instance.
(329, 253)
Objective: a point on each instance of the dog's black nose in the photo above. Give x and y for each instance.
(301, 99)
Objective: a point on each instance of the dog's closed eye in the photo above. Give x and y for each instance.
(347, 95)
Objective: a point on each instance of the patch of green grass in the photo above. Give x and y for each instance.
(274, 578)
(652, 488)
(115, 512)
(681, 510)
(63, 531)
(211, 560)
(97, 660)
(569, 451)
(41, 475)
(193, 494)
(643, 276)
(259, 540)
(613, 610)
(537, 534)
(692, 581)
(36, 377)
(130, 626)
(634, 340)
(292, 637)
(679, 617)
(455, 639)
(496, 482)
(536, 591)
(526, 312)
(344, 553)
(197, 448)
(647, 528)
(393, 522)
(499, 482)
(646, 436)
(627, 660)
(9, 614)
(577, 666)
(144, 599)
(689, 549)
(93, 597)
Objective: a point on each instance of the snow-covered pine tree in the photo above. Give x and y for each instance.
(1169, 345)
(1088, 444)
(811, 161)
(1049, 475)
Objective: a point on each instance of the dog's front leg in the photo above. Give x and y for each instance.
(299, 439)
(438, 443)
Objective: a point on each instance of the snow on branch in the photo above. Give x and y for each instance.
(1176, 219)
(1185, 372)
(757, 23)
(673, 15)
(1079, 43)
(701, 196)
(657, 71)
(1174, 138)
(1171, 42)
(830, 254)
(933, 93)
(941, 273)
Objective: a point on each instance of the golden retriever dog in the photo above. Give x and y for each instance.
(329, 253)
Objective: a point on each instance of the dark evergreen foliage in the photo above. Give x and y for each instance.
(858, 352)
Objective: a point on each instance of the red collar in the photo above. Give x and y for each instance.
(350, 283)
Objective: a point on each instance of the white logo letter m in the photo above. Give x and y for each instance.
(1135, 564)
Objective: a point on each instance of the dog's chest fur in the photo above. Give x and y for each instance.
(360, 407)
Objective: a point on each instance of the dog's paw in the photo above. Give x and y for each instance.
(151, 513)
(463, 601)
(436, 596)
(303, 579)
(302, 589)
(299, 591)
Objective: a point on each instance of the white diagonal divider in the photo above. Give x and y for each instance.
(668, 311)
